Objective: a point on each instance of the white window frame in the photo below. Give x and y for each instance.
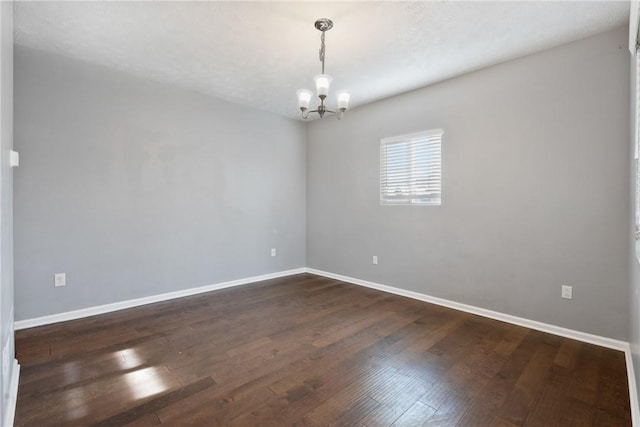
(636, 149)
(412, 196)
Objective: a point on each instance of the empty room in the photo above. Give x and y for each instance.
(229, 213)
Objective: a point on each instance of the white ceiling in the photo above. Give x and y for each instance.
(259, 53)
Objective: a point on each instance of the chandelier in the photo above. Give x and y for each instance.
(323, 81)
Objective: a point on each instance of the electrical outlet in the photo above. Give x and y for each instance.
(567, 292)
(14, 159)
(375, 260)
(273, 251)
(60, 279)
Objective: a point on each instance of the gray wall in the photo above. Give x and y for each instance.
(135, 188)
(6, 190)
(535, 189)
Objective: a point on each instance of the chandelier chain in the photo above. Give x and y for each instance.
(322, 51)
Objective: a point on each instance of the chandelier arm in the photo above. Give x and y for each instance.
(339, 114)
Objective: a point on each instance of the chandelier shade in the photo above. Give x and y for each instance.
(323, 82)
(304, 98)
(343, 99)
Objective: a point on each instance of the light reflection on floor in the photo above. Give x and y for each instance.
(127, 358)
(145, 382)
(142, 382)
(74, 398)
(76, 404)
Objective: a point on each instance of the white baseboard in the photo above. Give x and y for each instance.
(520, 321)
(121, 305)
(633, 388)
(10, 410)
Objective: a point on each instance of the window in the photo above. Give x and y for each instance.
(410, 169)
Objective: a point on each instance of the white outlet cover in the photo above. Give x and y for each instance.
(273, 251)
(567, 292)
(60, 279)
(375, 260)
(14, 159)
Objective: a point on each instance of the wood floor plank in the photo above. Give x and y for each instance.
(529, 384)
(156, 404)
(396, 401)
(310, 351)
(270, 413)
(415, 416)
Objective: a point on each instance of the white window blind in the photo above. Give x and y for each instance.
(411, 168)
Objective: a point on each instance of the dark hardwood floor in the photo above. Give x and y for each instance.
(311, 351)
